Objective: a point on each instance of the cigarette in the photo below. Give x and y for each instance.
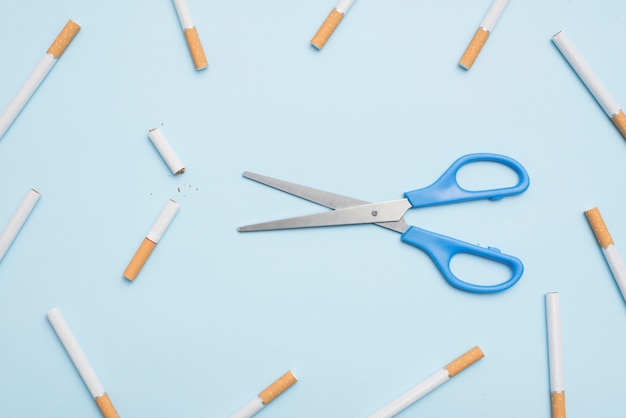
(268, 395)
(609, 250)
(76, 354)
(555, 354)
(18, 220)
(151, 240)
(33, 81)
(159, 141)
(482, 33)
(331, 23)
(593, 83)
(191, 35)
(429, 384)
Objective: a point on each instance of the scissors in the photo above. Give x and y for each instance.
(390, 215)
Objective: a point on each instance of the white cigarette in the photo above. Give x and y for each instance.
(266, 396)
(81, 363)
(37, 76)
(487, 26)
(555, 354)
(166, 151)
(593, 83)
(609, 250)
(151, 240)
(17, 220)
(191, 34)
(331, 23)
(429, 384)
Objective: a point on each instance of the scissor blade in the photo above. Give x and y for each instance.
(362, 214)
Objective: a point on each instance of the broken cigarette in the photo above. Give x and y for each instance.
(191, 34)
(593, 83)
(33, 81)
(17, 220)
(76, 354)
(609, 250)
(555, 354)
(482, 33)
(268, 395)
(151, 240)
(166, 151)
(331, 23)
(429, 384)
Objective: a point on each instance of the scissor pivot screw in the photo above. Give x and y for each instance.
(374, 213)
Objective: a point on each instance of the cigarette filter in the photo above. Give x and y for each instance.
(166, 151)
(482, 33)
(266, 396)
(191, 34)
(150, 241)
(597, 89)
(609, 250)
(81, 363)
(331, 23)
(555, 354)
(17, 220)
(429, 384)
(33, 81)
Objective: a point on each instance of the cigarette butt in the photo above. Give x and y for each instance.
(599, 227)
(457, 366)
(139, 259)
(327, 29)
(619, 120)
(279, 386)
(474, 48)
(106, 406)
(166, 151)
(195, 48)
(63, 39)
(558, 404)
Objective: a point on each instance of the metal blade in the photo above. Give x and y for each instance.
(328, 199)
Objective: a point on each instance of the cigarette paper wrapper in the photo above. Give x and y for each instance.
(106, 407)
(139, 259)
(466, 360)
(63, 40)
(474, 48)
(279, 386)
(195, 48)
(599, 227)
(327, 29)
(619, 120)
(558, 404)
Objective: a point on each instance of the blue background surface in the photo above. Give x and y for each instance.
(215, 316)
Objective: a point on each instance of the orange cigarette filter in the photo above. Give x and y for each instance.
(599, 227)
(64, 38)
(195, 48)
(558, 404)
(139, 259)
(277, 388)
(106, 407)
(474, 48)
(327, 29)
(619, 120)
(463, 362)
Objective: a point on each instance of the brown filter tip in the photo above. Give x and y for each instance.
(619, 120)
(463, 362)
(279, 386)
(63, 39)
(327, 29)
(599, 227)
(195, 47)
(474, 48)
(106, 407)
(558, 404)
(139, 259)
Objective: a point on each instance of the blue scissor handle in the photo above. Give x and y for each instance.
(442, 248)
(447, 189)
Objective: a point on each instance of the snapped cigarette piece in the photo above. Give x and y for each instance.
(191, 35)
(76, 354)
(331, 23)
(151, 240)
(266, 396)
(17, 220)
(482, 33)
(37, 76)
(429, 384)
(555, 354)
(593, 83)
(166, 151)
(609, 250)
